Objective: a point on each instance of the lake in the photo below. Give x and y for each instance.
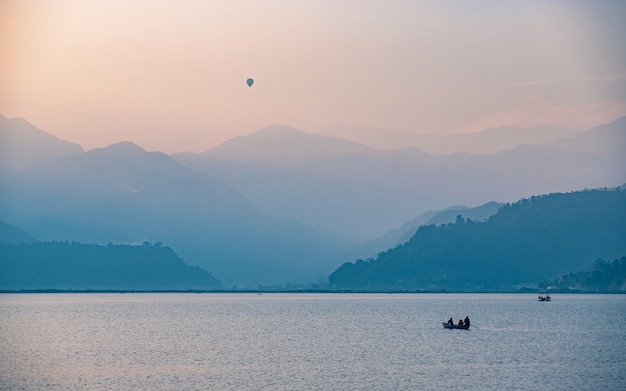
(247, 341)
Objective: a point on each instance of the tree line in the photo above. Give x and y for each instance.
(603, 277)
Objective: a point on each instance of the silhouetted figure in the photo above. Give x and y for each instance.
(466, 322)
(450, 322)
(460, 322)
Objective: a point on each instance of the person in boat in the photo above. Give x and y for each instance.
(450, 322)
(466, 322)
(460, 322)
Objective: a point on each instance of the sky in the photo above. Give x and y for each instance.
(171, 75)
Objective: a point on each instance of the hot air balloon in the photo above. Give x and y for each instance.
(250, 82)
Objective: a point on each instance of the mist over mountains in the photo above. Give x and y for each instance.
(277, 206)
(359, 193)
(479, 143)
(123, 194)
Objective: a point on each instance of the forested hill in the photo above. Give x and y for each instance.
(531, 240)
(10, 234)
(75, 266)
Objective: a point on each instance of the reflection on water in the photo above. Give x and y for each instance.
(310, 341)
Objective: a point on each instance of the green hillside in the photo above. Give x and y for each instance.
(532, 240)
(75, 266)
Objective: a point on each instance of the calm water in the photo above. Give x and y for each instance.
(311, 342)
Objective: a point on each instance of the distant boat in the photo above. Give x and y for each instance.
(455, 326)
(544, 297)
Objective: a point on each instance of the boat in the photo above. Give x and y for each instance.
(455, 326)
(544, 297)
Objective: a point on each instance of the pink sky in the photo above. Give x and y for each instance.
(170, 75)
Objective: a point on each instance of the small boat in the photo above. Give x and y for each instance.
(544, 297)
(456, 326)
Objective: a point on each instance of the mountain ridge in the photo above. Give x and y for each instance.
(76, 266)
(367, 194)
(22, 145)
(532, 240)
(479, 143)
(11, 234)
(276, 143)
(403, 234)
(125, 194)
(284, 214)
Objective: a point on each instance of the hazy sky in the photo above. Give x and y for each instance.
(170, 75)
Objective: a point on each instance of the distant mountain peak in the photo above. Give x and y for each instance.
(284, 133)
(22, 145)
(276, 142)
(523, 129)
(124, 147)
(279, 129)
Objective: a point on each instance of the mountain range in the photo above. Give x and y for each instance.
(358, 193)
(478, 143)
(532, 240)
(123, 194)
(277, 206)
(22, 145)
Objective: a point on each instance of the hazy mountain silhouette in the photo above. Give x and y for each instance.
(244, 209)
(478, 143)
(22, 145)
(76, 266)
(320, 181)
(10, 234)
(278, 144)
(358, 193)
(529, 241)
(124, 194)
(608, 140)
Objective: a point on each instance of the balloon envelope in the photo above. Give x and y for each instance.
(249, 82)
